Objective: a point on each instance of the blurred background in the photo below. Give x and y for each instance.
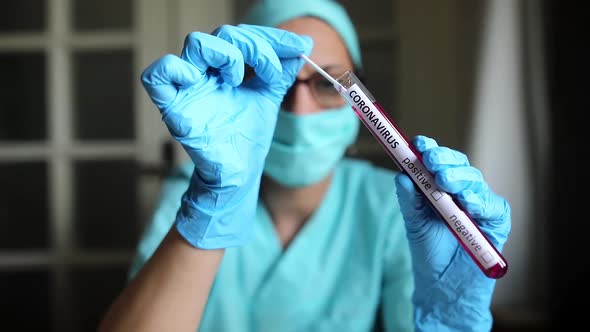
(83, 151)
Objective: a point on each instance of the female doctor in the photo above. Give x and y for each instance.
(269, 227)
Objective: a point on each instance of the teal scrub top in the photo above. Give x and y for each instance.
(348, 269)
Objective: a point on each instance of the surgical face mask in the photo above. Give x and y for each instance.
(305, 148)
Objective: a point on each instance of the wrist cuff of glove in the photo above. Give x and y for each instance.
(218, 226)
(459, 301)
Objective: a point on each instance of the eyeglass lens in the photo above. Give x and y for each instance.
(321, 89)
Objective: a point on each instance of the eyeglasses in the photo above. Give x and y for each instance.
(321, 89)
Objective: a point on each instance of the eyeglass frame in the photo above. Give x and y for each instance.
(317, 76)
(249, 73)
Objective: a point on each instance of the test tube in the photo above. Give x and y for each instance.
(465, 230)
(408, 160)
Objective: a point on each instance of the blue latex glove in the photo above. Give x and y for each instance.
(451, 292)
(224, 124)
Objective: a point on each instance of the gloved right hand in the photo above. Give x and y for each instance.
(225, 124)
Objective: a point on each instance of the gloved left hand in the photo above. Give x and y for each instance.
(224, 124)
(451, 292)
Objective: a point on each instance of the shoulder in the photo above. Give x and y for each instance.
(175, 184)
(173, 187)
(180, 174)
(182, 171)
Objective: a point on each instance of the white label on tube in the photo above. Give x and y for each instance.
(395, 144)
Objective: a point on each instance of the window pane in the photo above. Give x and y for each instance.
(22, 97)
(105, 204)
(22, 15)
(25, 299)
(102, 14)
(24, 206)
(93, 290)
(103, 84)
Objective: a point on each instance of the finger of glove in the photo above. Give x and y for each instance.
(286, 44)
(490, 211)
(456, 179)
(204, 51)
(439, 158)
(412, 203)
(163, 78)
(423, 143)
(485, 205)
(288, 47)
(257, 52)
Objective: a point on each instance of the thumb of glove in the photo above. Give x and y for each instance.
(414, 206)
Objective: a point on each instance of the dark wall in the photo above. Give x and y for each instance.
(568, 26)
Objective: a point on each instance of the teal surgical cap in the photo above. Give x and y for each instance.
(274, 12)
